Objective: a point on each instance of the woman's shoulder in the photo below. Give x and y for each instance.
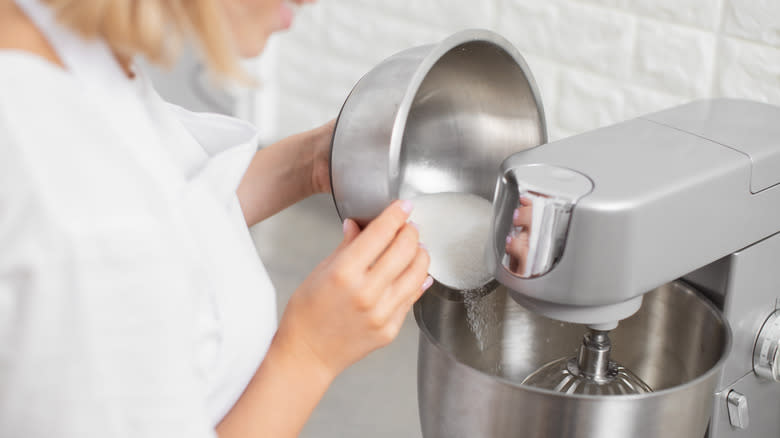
(37, 100)
(55, 151)
(22, 68)
(28, 84)
(33, 90)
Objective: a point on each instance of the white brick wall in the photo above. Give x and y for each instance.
(596, 61)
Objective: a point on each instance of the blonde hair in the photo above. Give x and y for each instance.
(156, 29)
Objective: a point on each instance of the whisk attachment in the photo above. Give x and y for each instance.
(591, 372)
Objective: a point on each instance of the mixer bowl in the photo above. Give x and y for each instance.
(431, 119)
(474, 353)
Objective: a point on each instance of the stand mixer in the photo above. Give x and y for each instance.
(692, 192)
(647, 302)
(660, 233)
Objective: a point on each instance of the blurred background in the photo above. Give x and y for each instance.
(596, 62)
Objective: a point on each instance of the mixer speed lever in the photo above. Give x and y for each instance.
(738, 410)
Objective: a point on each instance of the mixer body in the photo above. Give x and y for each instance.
(746, 286)
(692, 192)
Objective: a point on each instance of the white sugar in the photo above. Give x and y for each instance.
(481, 317)
(455, 228)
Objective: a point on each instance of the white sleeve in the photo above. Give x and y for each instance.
(97, 323)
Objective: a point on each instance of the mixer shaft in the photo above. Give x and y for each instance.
(593, 357)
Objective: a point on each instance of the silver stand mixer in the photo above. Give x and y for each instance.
(690, 194)
(658, 239)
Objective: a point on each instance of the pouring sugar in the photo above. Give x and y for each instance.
(455, 229)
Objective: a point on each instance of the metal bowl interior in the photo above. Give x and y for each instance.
(676, 337)
(431, 119)
(475, 105)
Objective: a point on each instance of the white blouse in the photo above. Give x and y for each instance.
(132, 301)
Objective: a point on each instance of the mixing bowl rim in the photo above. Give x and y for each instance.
(547, 392)
(435, 53)
(330, 154)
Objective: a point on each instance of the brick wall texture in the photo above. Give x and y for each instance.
(596, 62)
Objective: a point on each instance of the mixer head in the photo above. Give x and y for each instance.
(590, 373)
(533, 208)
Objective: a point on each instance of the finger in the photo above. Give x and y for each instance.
(517, 248)
(522, 217)
(399, 298)
(351, 230)
(397, 257)
(408, 287)
(398, 317)
(378, 235)
(514, 266)
(396, 322)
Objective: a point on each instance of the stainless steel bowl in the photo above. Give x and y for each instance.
(475, 352)
(435, 118)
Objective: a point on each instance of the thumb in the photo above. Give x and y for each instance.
(351, 231)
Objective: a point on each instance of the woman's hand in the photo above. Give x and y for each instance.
(320, 169)
(357, 299)
(353, 303)
(517, 244)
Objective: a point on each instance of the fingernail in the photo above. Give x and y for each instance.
(428, 282)
(422, 245)
(416, 227)
(407, 206)
(508, 239)
(344, 226)
(516, 214)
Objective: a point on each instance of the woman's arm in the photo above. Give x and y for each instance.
(353, 303)
(286, 172)
(280, 397)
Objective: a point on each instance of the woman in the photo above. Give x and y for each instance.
(132, 302)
